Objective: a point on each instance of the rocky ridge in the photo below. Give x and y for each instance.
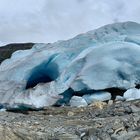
(6, 51)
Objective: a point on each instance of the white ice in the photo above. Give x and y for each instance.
(108, 57)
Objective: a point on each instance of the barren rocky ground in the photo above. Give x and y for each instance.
(99, 121)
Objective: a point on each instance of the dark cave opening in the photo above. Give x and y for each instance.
(43, 73)
(68, 94)
(115, 92)
(138, 86)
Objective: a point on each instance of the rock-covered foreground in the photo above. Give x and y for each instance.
(99, 121)
(95, 62)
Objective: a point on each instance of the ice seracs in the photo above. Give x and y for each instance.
(108, 57)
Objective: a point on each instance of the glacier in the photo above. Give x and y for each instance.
(105, 58)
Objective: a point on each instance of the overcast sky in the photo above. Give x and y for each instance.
(52, 20)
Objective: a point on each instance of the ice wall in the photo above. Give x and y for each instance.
(98, 60)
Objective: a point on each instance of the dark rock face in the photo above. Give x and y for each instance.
(6, 51)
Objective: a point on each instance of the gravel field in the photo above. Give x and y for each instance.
(99, 121)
